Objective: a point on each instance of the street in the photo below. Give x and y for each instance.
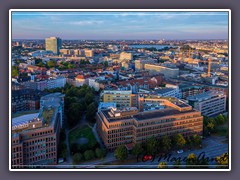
(212, 146)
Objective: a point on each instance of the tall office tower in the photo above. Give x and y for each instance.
(53, 44)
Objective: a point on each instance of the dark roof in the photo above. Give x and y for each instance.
(36, 93)
(160, 113)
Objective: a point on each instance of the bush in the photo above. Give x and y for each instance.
(89, 155)
(100, 153)
(77, 158)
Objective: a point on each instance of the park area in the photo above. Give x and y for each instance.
(82, 136)
(84, 146)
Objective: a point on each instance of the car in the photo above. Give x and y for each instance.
(180, 151)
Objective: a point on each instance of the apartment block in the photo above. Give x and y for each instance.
(26, 100)
(189, 90)
(121, 98)
(139, 64)
(209, 103)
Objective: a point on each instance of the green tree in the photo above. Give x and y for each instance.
(179, 141)
(100, 153)
(89, 98)
(162, 165)
(222, 161)
(51, 63)
(15, 71)
(189, 142)
(166, 144)
(74, 114)
(89, 155)
(152, 145)
(121, 153)
(211, 126)
(77, 158)
(220, 119)
(197, 140)
(191, 160)
(137, 149)
(91, 112)
(41, 64)
(37, 60)
(62, 150)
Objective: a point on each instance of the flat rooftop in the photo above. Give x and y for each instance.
(205, 96)
(147, 115)
(164, 90)
(52, 100)
(173, 100)
(159, 113)
(24, 119)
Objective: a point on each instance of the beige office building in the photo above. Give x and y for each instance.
(53, 44)
(154, 116)
(167, 70)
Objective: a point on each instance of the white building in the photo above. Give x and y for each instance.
(168, 92)
(93, 82)
(56, 82)
(209, 103)
(41, 53)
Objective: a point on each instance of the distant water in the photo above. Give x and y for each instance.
(150, 46)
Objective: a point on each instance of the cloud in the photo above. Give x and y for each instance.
(84, 23)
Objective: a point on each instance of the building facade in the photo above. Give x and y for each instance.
(125, 56)
(191, 90)
(139, 64)
(122, 98)
(209, 103)
(35, 137)
(168, 71)
(53, 44)
(128, 126)
(26, 100)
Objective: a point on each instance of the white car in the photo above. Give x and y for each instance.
(180, 151)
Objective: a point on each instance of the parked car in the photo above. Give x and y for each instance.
(180, 151)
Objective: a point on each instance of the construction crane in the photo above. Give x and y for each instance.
(209, 65)
(189, 54)
(209, 61)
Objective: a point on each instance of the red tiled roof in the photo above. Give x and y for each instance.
(80, 76)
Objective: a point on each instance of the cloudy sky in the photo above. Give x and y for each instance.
(120, 25)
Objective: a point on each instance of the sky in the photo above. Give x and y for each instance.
(120, 25)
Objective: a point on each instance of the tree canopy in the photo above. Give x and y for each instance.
(121, 153)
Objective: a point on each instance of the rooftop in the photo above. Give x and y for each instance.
(47, 115)
(205, 96)
(164, 90)
(52, 100)
(24, 119)
(159, 113)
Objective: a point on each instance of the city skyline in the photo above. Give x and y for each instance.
(120, 25)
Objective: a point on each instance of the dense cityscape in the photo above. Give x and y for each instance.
(119, 103)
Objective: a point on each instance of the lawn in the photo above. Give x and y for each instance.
(85, 132)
